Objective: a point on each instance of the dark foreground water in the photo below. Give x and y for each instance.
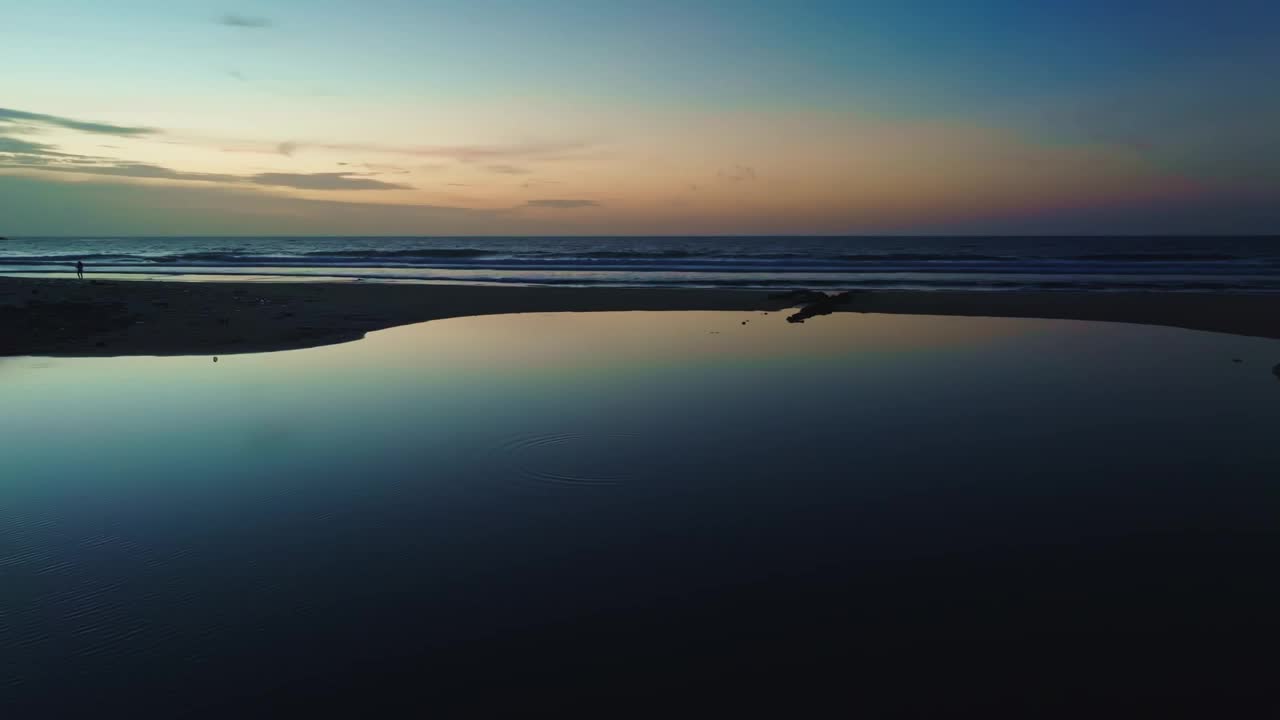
(668, 512)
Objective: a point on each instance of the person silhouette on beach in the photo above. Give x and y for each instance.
(79, 269)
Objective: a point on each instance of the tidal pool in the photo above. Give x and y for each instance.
(602, 510)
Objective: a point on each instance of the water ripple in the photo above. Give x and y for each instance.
(541, 458)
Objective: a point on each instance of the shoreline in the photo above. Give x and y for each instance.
(97, 318)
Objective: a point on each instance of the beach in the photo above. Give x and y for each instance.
(608, 359)
(68, 317)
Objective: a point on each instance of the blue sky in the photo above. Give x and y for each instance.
(619, 117)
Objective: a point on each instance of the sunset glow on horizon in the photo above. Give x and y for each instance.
(562, 117)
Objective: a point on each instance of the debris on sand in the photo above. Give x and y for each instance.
(825, 306)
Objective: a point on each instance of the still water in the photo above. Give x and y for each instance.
(612, 510)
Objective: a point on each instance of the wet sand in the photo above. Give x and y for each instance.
(67, 317)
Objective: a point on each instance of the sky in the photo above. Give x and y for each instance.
(595, 117)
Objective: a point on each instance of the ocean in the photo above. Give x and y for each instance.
(1204, 263)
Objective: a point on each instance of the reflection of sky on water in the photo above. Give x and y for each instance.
(605, 465)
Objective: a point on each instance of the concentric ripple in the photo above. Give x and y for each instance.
(558, 458)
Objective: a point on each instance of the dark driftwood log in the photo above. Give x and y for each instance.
(825, 306)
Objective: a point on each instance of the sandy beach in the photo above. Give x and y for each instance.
(59, 317)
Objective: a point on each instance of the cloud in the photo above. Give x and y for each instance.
(43, 206)
(562, 204)
(244, 21)
(737, 173)
(508, 170)
(23, 120)
(476, 153)
(385, 169)
(324, 181)
(238, 75)
(14, 146)
(25, 155)
(18, 117)
(20, 154)
(458, 153)
(95, 166)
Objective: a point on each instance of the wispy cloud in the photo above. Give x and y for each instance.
(535, 152)
(18, 117)
(12, 145)
(385, 169)
(459, 153)
(540, 152)
(25, 155)
(324, 181)
(18, 152)
(737, 173)
(82, 165)
(103, 206)
(562, 204)
(508, 170)
(244, 21)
